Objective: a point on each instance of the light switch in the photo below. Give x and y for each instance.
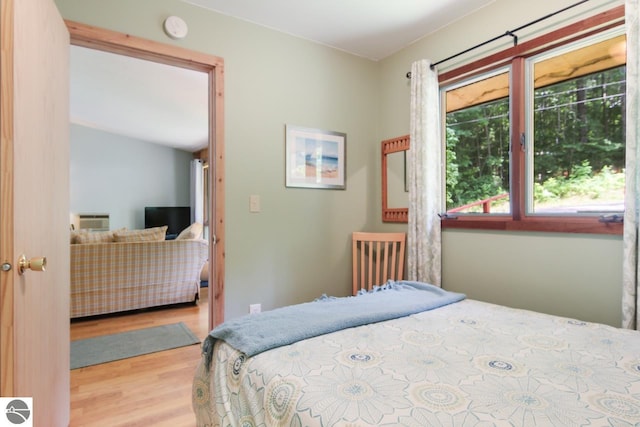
(254, 203)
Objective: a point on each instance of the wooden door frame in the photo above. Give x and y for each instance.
(6, 220)
(125, 44)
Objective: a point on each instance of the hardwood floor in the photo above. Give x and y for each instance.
(149, 390)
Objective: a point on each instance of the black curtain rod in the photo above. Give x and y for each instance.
(510, 33)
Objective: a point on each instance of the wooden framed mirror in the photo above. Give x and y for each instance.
(395, 198)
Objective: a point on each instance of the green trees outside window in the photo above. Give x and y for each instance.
(573, 138)
(579, 143)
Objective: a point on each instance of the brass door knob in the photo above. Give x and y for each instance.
(34, 264)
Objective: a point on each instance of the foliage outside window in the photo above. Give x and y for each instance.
(578, 134)
(477, 145)
(540, 140)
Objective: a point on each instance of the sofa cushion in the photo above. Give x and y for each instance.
(97, 236)
(115, 277)
(147, 235)
(194, 231)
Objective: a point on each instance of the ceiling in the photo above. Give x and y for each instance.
(372, 29)
(139, 99)
(168, 105)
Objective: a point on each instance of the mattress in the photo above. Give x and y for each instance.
(465, 364)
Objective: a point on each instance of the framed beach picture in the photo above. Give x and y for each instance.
(315, 158)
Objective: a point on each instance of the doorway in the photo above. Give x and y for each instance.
(109, 41)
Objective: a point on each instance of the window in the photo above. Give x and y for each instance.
(539, 142)
(576, 160)
(477, 145)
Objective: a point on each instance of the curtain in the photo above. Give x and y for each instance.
(425, 177)
(197, 191)
(630, 272)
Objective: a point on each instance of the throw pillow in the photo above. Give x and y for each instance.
(194, 231)
(146, 235)
(75, 234)
(97, 236)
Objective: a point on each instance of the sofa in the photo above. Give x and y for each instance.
(119, 271)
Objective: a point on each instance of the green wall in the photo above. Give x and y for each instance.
(298, 246)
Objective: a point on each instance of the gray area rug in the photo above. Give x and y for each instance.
(107, 348)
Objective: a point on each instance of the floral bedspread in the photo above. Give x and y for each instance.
(465, 364)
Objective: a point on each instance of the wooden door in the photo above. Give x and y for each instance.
(34, 207)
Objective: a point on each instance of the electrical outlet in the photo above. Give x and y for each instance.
(255, 308)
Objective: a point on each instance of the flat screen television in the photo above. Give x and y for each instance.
(176, 218)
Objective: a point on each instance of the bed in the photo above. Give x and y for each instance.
(460, 362)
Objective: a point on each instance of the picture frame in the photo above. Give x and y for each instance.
(315, 158)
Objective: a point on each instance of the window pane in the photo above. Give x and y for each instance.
(578, 151)
(477, 146)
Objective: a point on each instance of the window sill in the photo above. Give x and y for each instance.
(589, 225)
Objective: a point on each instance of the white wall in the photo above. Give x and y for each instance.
(120, 176)
(566, 274)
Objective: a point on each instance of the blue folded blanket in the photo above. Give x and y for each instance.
(255, 333)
